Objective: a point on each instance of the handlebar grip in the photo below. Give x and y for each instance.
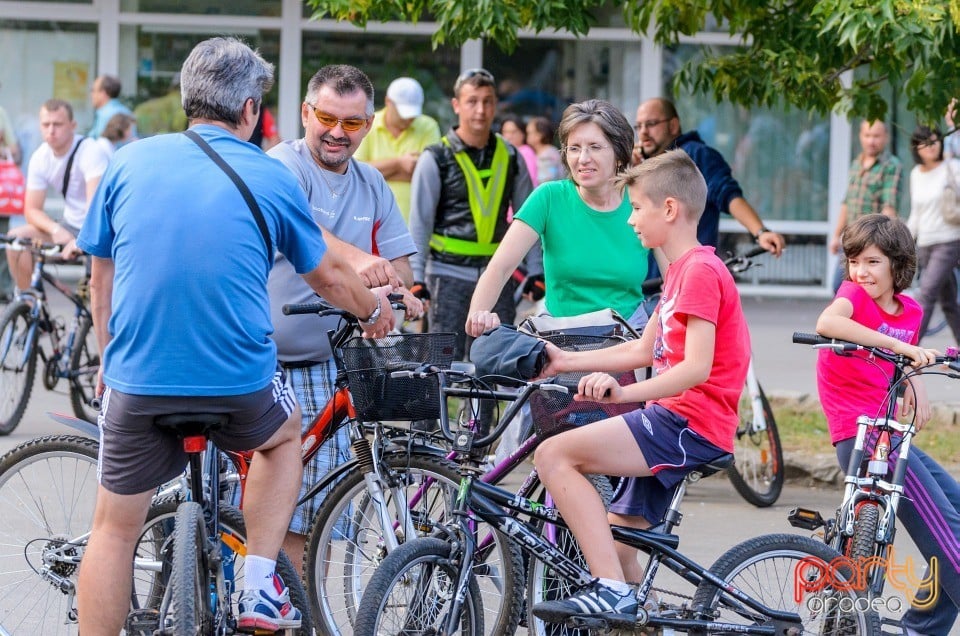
(651, 286)
(756, 251)
(800, 337)
(294, 309)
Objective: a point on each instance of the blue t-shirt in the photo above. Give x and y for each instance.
(190, 309)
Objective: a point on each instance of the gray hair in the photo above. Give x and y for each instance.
(219, 76)
(671, 174)
(611, 121)
(343, 79)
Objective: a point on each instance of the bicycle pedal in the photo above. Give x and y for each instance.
(143, 622)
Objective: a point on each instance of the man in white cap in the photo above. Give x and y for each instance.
(399, 132)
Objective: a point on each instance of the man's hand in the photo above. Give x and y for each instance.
(407, 162)
(835, 245)
(386, 321)
(481, 321)
(414, 308)
(772, 242)
(376, 271)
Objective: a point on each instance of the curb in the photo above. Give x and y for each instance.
(821, 469)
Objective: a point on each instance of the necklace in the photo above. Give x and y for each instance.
(333, 193)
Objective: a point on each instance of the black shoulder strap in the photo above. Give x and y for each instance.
(244, 190)
(66, 173)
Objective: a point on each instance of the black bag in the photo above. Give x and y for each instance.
(506, 351)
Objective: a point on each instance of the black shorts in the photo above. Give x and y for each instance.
(136, 456)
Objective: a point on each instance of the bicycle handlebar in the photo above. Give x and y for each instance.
(17, 244)
(322, 308)
(842, 346)
(736, 264)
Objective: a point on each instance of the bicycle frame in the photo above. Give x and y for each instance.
(489, 503)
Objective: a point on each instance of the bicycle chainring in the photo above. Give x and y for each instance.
(51, 374)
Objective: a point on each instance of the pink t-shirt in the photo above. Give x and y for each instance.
(700, 285)
(850, 386)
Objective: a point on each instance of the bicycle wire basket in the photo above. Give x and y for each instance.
(554, 412)
(377, 396)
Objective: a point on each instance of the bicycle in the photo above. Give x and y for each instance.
(427, 585)
(355, 528)
(72, 354)
(864, 525)
(758, 472)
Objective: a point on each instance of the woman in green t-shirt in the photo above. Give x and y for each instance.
(592, 259)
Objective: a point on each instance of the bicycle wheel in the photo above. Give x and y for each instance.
(188, 610)
(18, 364)
(346, 543)
(84, 368)
(154, 554)
(48, 487)
(758, 472)
(771, 569)
(411, 592)
(544, 584)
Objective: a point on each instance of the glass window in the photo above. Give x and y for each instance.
(542, 76)
(264, 8)
(779, 155)
(384, 58)
(62, 63)
(151, 56)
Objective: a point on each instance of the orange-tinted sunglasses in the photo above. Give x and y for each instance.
(350, 124)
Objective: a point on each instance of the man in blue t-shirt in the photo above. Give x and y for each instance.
(658, 130)
(180, 307)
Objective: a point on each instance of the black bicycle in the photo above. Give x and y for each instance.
(72, 353)
(428, 586)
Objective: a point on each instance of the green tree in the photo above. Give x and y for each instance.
(818, 55)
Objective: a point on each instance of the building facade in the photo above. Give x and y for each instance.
(793, 166)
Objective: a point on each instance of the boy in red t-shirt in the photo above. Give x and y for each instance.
(700, 348)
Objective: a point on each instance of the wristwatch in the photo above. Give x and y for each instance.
(375, 316)
(763, 228)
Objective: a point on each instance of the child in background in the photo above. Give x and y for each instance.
(700, 348)
(870, 309)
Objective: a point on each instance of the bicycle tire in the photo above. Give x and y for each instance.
(344, 546)
(233, 539)
(758, 471)
(543, 585)
(425, 570)
(84, 368)
(48, 487)
(750, 566)
(863, 543)
(18, 363)
(188, 610)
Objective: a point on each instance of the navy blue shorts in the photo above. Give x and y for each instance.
(672, 450)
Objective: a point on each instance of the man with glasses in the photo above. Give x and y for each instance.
(658, 130)
(460, 193)
(359, 215)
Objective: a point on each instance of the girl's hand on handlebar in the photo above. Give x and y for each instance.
(598, 387)
(920, 355)
(480, 321)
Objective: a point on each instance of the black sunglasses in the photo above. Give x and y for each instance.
(470, 74)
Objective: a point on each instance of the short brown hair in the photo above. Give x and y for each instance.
(891, 237)
(671, 174)
(52, 105)
(611, 121)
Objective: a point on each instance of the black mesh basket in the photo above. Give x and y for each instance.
(554, 412)
(377, 396)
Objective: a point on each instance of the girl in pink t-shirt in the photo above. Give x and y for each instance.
(870, 309)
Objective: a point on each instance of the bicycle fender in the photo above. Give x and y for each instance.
(328, 480)
(87, 428)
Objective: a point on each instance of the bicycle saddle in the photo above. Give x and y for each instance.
(715, 466)
(190, 424)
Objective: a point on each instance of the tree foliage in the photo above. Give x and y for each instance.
(818, 55)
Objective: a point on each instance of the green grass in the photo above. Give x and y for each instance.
(805, 430)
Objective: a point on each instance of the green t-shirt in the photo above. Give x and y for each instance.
(591, 260)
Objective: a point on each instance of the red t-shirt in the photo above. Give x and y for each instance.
(700, 285)
(850, 386)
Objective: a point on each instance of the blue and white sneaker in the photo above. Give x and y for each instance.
(594, 601)
(261, 611)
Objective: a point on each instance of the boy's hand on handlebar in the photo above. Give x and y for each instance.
(70, 251)
(480, 321)
(772, 242)
(598, 387)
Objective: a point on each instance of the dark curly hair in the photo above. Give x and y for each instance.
(891, 237)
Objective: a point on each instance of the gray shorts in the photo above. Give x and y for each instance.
(136, 456)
